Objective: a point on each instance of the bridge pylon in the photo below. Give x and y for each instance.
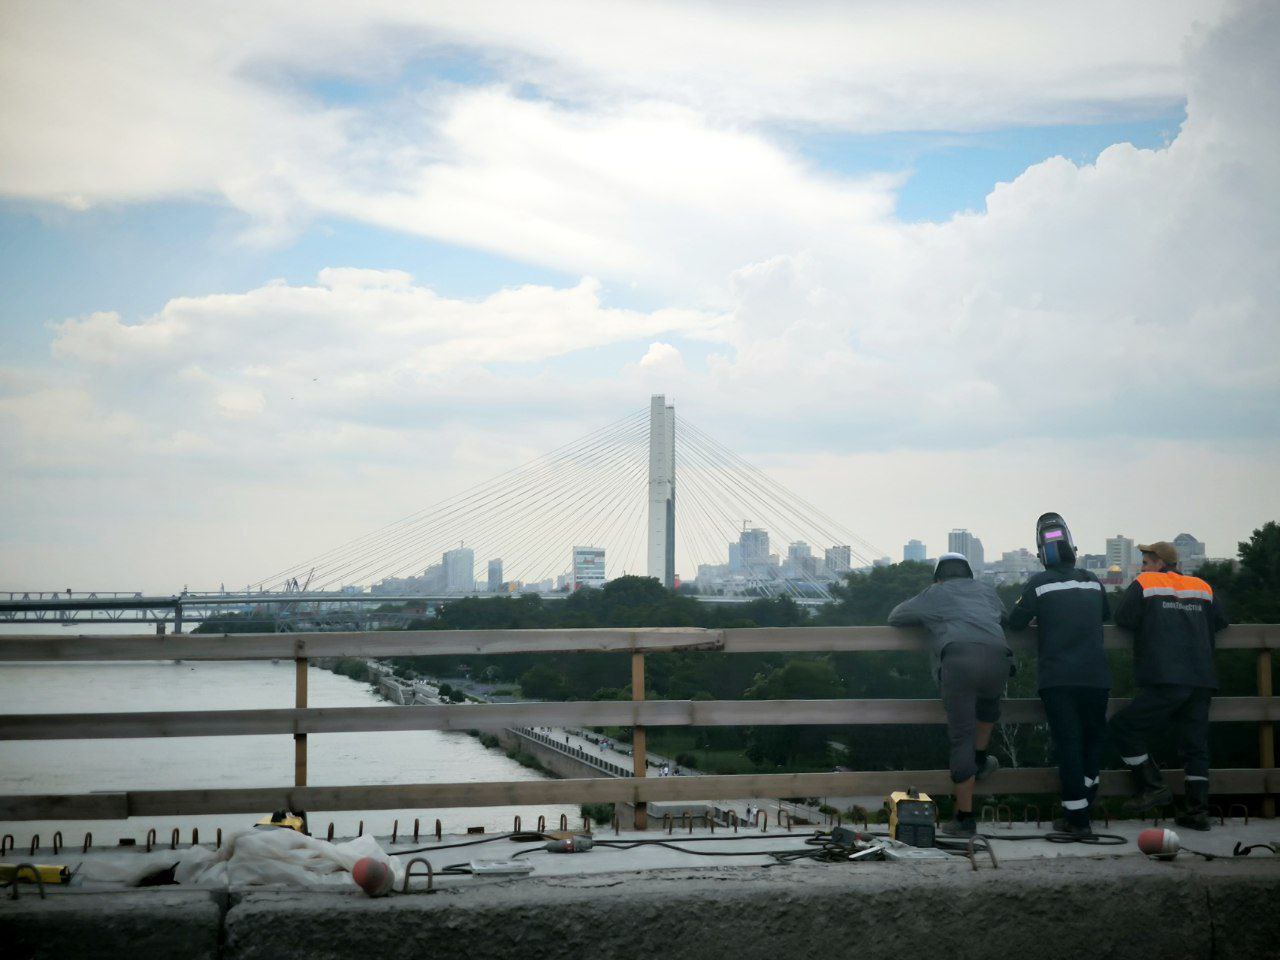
(662, 490)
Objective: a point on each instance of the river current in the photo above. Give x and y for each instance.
(82, 766)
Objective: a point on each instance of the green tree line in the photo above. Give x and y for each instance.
(1250, 588)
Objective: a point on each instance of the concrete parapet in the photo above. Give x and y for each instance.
(155, 924)
(1042, 910)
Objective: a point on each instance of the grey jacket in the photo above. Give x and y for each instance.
(958, 610)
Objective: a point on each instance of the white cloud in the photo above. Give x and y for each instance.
(662, 356)
(1130, 299)
(141, 100)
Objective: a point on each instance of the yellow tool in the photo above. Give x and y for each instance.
(912, 816)
(284, 819)
(48, 873)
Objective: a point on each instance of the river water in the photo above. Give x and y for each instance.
(82, 766)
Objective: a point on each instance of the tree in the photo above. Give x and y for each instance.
(799, 679)
(542, 683)
(865, 599)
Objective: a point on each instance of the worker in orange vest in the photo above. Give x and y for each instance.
(1175, 619)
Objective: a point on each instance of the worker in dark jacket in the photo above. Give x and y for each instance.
(972, 662)
(1175, 619)
(1069, 606)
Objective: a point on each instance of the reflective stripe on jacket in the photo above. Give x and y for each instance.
(1068, 606)
(1174, 618)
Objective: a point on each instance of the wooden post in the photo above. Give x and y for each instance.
(1266, 730)
(639, 764)
(300, 739)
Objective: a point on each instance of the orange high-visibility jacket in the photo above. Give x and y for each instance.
(1174, 618)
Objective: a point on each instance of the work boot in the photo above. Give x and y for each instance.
(1195, 814)
(963, 827)
(1074, 823)
(989, 766)
(1149, 788)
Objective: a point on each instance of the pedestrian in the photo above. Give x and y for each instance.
(971, 662)
(1069, 606)
(1175, 620)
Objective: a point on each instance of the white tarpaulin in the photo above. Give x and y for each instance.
(251, 857)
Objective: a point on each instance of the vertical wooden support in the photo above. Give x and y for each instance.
(300, 739)
(1266, 730)
(639, 764)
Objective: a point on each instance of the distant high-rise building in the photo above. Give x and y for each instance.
(735, 557)
(914, 550)
(754, 544)
(1120, 554)
(882, 562)
(588, 567)
(801, 562)
(495, 575)
(1190, 552)
(459, 570)
(838, 559)
(962, 541)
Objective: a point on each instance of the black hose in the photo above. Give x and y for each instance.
(523, 836)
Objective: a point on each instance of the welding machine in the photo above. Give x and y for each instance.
(912, 816)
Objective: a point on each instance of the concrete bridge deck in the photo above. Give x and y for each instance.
(1044, 901)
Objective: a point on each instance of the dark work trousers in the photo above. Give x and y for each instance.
(972, 678)
(1078, 722)
(1157, 707)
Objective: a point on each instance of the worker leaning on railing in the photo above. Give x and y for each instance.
(972, 663)
(1175, 619)
(1069, 606)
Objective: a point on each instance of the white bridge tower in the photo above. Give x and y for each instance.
(662, 491)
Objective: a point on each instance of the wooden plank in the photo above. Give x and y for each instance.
(1266, 730)
(85, 806)
(423, 796)
(1248, 636)
(488, 642)
(300, 739)
(639, 755)
(497, 716)
(394, 643)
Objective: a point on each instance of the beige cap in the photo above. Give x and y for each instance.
(1163, 549)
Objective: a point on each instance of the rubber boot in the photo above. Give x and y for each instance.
(1195, 814)
(1074, 823)
(1149, 788)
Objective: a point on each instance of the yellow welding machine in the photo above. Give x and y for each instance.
(912, 817)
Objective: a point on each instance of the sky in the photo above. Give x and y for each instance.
(276, 274)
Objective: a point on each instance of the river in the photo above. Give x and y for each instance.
(82, 766)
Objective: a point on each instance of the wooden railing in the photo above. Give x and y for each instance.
(300, 721)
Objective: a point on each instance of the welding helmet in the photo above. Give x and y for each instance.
(951, 566)
(1054, 545)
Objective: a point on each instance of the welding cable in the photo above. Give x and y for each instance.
(523, 836)
(1096, 839)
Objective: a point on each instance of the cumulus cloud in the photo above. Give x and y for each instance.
(142, 100)
(1130, 298)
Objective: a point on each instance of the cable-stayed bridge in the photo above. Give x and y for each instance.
(647, 494)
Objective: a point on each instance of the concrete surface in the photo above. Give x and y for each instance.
(1043, 910)
(1045, 901)
(156, 924)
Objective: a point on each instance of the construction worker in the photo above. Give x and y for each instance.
(1175, 619)
(1069, 606)
(972, 662)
